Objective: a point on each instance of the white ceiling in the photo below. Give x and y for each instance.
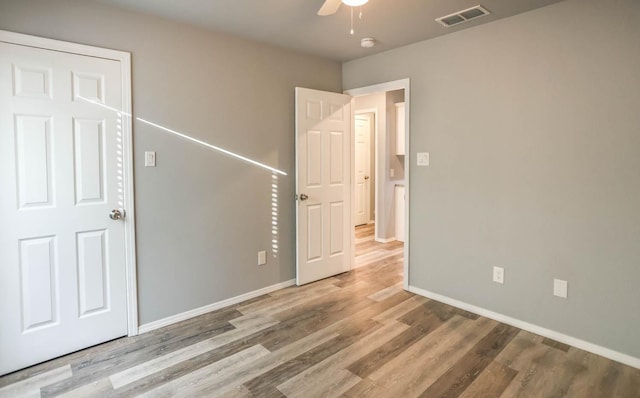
(294, 24)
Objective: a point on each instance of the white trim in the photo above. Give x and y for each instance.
(62, 46)
(352, 184)
(390, 86)
(147, 327)
(130, 220)
(361, 265)
(125, 68)
(376, 88)
(530, 327)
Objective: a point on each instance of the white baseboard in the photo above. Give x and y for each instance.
(529, 327)
(381, 240)
(147, 327)
(356, 266)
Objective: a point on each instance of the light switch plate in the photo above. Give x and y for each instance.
(150, 159)
(262, 257)
(423, 158)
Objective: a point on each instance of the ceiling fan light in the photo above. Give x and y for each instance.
(355, 3)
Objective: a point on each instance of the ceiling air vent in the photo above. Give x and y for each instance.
(463, 16)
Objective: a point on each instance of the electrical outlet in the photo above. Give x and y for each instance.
(423, 159)
(560, 288)
(498, 274)
(262, 257)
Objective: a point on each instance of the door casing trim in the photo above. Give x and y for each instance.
(127, 146)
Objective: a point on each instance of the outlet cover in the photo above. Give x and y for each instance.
(423, 159)
(498, 274)
(560, 288)
(262, 257)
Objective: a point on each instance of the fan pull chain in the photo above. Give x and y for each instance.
(352, 21)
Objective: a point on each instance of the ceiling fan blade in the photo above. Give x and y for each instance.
(329, 7)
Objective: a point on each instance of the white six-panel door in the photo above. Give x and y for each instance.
(62, 270)
(323, 168)
(362, 161)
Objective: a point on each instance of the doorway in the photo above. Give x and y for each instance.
(389, 104)
(325, 237)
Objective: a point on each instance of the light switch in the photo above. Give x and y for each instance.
(392, 172)
(423, 158)
(150, 159)
(560, 288)
(262, 257)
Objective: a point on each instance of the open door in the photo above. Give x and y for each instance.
(323, 181)
(362, 161)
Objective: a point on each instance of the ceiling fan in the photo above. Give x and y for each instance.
(330, 7)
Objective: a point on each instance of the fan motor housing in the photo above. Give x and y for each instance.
(368, 42)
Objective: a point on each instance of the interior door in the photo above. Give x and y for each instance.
(323, 171)
(62, 271)
(362, 160)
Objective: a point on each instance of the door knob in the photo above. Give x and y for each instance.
(366, 177)
(303, 196)
(116, 214)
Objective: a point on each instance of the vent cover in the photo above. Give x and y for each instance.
(463, 16)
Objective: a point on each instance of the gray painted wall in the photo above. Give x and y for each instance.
(533, 127)
(201, 216)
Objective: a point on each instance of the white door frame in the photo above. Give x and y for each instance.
(403, 84)
(127, 146)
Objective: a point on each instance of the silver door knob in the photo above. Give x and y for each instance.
(303, 196)
(116, 214)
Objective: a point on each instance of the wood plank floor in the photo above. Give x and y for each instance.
(354, 335)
